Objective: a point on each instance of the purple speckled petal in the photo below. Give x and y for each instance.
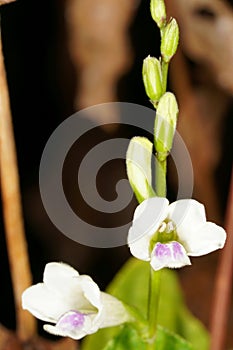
(73, 324)
(170, 254)
(162, 251)
(71, 321)
(178, 250)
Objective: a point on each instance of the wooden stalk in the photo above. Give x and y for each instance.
(12, 211)
(223, 286)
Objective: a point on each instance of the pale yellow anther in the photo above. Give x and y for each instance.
(170, 227)
(162, 227)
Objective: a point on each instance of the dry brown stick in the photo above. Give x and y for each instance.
(223, 285)
(12, 211)
(4, 2)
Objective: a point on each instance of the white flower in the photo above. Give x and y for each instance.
(73, 302)
(167, 234)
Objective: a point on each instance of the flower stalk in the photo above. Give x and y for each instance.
(165, 124)
(153, 306)
(164, 68)
(160, 176)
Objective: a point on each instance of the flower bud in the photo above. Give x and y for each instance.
(151, 73)
(158, 12)
(165, 124)
(138, 162)
(170, 39)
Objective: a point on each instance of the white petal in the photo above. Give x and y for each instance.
(205, 239)
(186, 213)
(172, 255)
(198, 236)
(74, 325)
(114, 313)
(60, 277)
(140, 248)
(91, 291)
(56, 331)
(48, 301)
(43, 304)
(148, 217)
(66, 284)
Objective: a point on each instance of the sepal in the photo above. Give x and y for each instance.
(138, 163)
(165, 124)
(152, 78)
(158, 12)
(170, 39)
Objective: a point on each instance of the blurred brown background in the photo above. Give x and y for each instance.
(62, 56)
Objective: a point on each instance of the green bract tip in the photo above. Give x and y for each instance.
(170, 39)
(158, 12)
(151, 73)
(138, 162)
(165, 124)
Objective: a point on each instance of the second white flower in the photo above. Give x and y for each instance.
(166, 235)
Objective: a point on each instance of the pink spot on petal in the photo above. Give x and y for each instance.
(162, 251)
(71, 321)
(177, 250)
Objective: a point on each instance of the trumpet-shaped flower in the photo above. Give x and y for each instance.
(72, 302)
(166, 235)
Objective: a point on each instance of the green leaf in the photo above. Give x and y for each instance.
(131, 286)
(129, 339)
(167, 340)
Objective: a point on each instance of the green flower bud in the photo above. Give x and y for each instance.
(165, 124)
(158, 12)
(170, 39)
(138, 163)
(152, 77)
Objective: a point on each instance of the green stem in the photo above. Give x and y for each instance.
(160, 177)
(153, 306)
(155, 276)
(164, 76)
